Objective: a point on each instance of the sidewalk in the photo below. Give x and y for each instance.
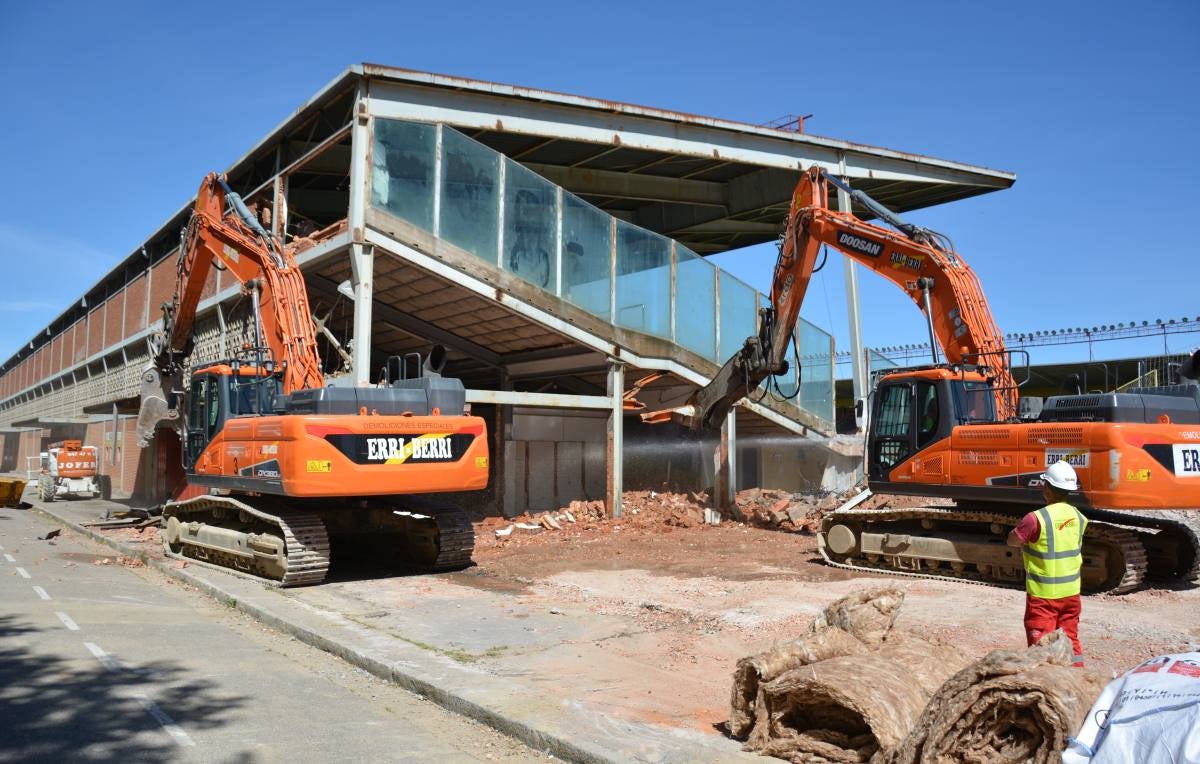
(474, 652)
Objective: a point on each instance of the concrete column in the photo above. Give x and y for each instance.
(858, 365)
(362, 256)
(615, 484)
(725, 464)
(503, 432)
(362, 270)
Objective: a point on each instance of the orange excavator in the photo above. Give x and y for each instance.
(275, 460)
(956, 428)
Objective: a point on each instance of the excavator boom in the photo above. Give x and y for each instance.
(223, 233)
(937, 279)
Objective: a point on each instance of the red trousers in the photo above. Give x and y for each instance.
(1043, 616)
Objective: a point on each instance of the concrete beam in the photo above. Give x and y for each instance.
(543, 400)
(623, 185)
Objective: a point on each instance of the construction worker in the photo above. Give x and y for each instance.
(1052, 544)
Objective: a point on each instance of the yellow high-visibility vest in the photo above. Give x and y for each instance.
(1053, 562)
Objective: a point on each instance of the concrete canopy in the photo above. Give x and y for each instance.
(711, 184)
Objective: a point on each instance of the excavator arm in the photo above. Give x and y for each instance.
(915, 259)
(223, 233)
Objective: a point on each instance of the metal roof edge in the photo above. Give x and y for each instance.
(596, 104)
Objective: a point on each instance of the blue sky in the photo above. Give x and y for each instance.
(116, 110)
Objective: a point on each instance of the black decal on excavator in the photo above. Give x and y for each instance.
(859, 244)
(402, 449)
(268, 469)
(1023, 480)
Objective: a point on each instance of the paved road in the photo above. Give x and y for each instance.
(108, 662)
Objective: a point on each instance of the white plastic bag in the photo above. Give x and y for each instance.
(1150, 714)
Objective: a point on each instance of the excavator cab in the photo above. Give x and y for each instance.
(913, 409)
(221, 391)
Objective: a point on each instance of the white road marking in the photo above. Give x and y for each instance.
(66, 619)
(9, 557)
(23, 573)
(105, 659)
(131, 599)
(41, 592)
(167, 723)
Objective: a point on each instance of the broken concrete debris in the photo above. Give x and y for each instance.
(646, 510)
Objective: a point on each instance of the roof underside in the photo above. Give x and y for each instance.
(628, 183)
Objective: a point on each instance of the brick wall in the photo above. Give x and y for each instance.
(114, 329)
(162, 286)
(135, 306)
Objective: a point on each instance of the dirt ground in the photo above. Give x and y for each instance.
(644, 617)
(707, 595)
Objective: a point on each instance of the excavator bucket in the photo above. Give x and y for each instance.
(10, 491)
(156, 410)
(683, 415)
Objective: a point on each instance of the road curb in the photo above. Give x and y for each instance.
(527, 734)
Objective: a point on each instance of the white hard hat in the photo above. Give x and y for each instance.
(1061, 475)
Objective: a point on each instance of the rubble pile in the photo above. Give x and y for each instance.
(662, 511)
(771, 508)
(643, 511)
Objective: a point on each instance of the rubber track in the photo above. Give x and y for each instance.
(456, 537)
(307, 544)
(1133, 550)
(1189, 529)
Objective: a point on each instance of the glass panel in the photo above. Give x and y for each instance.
(892, 429)
(928, 414)
(974, 402)
(893, 412)
(587, 253)
(695, 303)
(816, 381)
(470, 195)
(643, 280)
(530, 225)
(402, 170)
(738, 315)
(879, 362)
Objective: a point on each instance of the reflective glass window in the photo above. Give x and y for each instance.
(402, 161)
(816, 380)
(587, 254)
(470, 202)
(737, 315)
(530, 226)
(695, 303)
(643, 280)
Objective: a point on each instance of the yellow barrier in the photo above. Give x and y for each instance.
(10, 491)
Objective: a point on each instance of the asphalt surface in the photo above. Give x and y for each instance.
(103, 662)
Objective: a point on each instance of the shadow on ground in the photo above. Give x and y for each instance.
(71, 708)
